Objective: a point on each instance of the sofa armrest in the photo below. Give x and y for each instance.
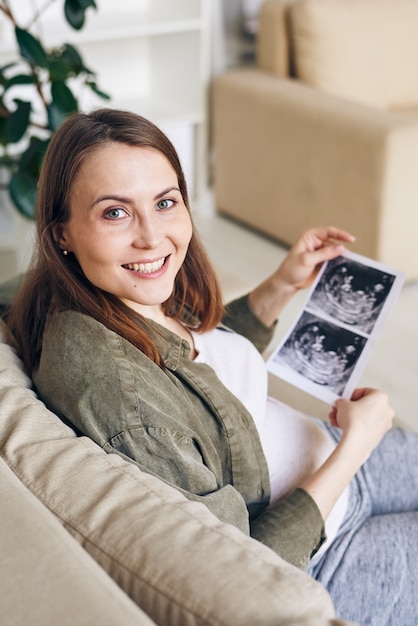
(288, 157)
(46, 577)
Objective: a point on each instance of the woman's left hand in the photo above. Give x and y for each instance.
(314, 246)
(298, 270)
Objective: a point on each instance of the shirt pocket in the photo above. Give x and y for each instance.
(169, 454)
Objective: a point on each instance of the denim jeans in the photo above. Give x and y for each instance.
(371, 569)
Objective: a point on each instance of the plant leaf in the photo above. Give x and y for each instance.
(88, 3)
(66, 61)
(58, 69)
(32, 157)
(23, 182)
(63, 104)
(18, 122)
(22, 190)
(74, 58)
(63, 97)
(20, 79)
(3, 72)
(93, 86)
(31, 48)
(74, 11)
(3, 126)
(7, 66)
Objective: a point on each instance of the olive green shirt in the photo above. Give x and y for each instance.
(179, 423)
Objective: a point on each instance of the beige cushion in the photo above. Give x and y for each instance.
(365, 50)
(173, 557)
(47, 579)
(272, 38)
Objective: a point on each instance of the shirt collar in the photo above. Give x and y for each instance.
(171, 347)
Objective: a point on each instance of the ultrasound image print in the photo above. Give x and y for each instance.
(322, 352)
(352, 293)
(326, 349)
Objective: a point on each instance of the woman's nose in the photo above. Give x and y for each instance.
(147, 233)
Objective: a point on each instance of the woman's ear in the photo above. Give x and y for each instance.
(59, 237)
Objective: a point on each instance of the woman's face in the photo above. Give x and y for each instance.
(129, 227)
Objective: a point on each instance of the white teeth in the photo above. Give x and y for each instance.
(145, 268)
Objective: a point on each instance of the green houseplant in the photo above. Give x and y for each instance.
(38, 90)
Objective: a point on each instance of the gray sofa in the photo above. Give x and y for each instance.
(87, 538)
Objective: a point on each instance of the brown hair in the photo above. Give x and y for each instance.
(55, 282)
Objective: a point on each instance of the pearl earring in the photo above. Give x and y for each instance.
(65, 252)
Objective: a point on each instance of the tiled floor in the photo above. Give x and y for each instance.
(244, 258)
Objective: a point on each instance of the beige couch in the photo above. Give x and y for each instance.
(324, 130)
(86, 538)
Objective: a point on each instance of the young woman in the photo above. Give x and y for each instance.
(119, 321)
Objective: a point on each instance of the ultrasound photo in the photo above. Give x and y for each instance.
(322, 352)
(327, 347)
(352, 293)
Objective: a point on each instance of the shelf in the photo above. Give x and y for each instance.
(116, 27)
(154, 18)
(163, 76)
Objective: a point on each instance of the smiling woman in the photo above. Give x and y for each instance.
(114, 200)
(129, 227)
(119, 322)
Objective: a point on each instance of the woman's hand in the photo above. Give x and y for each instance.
(304, 260)
(364, 420)
(298, 270)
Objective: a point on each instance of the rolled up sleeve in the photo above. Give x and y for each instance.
(293, 528)
(240, 318)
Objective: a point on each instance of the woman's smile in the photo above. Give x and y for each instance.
(146, 267)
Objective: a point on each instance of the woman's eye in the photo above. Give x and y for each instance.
(165, 204)
(115, 214)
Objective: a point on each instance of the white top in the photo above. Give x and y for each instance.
(294, 444)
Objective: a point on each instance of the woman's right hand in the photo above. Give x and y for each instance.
(364, 419)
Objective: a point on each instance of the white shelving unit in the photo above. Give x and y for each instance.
(152, 57)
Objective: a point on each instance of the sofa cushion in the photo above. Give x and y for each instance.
(47, 579)
(166, 552)
(364, 50)
(272, 43)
